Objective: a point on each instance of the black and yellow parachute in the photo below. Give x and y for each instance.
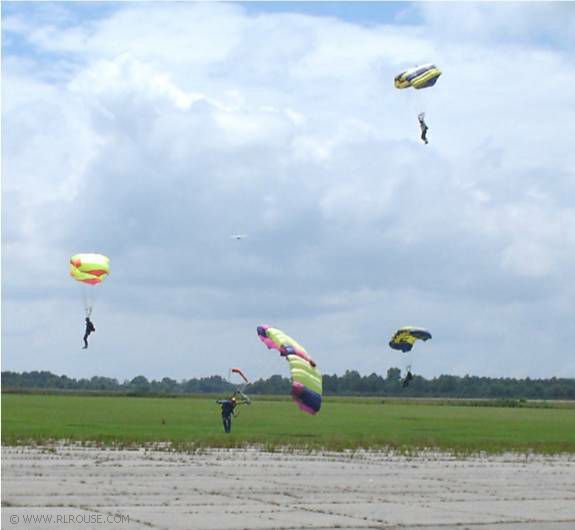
(404, 338)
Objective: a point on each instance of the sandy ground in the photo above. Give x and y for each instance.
(74, 487)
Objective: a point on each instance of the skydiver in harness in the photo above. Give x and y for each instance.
(89, 329)
(423, 126)
(407, 379)
(228, 407)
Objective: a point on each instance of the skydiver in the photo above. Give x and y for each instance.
(407, 379)
(423, 126)
(228, 406)
(89, 329)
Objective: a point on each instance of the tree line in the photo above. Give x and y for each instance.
(349, 384)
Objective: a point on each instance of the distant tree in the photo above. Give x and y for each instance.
(103, 383)
(330, 384)
(350, 383)
(139, 385)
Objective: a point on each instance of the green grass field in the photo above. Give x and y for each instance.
(190, 423)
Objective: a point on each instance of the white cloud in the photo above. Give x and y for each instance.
(153, 133)
(488, 22)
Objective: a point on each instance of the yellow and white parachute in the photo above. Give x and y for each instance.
(423, 76)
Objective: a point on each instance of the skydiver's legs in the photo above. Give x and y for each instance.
(85, 341)
(424, 135)
(227, 420)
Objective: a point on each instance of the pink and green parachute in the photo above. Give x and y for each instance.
(306, 379)
(90, 270)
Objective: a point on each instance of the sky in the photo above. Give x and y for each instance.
(153, 131)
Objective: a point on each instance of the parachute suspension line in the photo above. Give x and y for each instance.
(87, 300)
(407, 363)
(229, 381)
(92, 293)
(415, 109)
(239, 387)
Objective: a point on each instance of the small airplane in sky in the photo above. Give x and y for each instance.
(238, 236)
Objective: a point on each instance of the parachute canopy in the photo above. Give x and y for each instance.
(89, 268)
(306, 378)
(419, 77)
(240, 373)
(239, 380)
(404, 338)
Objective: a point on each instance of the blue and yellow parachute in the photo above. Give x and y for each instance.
(423, 76)
(306, 385)
(404, 338)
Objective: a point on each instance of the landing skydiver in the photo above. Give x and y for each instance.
(228, 406)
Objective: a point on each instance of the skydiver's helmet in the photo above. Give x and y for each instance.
(262, 331)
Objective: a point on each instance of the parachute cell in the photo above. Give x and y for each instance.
(424, 76)
(404, 338)
(305, 377)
